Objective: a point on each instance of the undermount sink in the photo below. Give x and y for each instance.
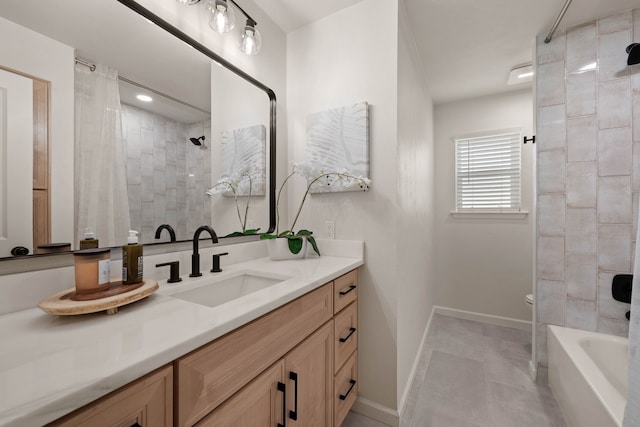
(218, 292)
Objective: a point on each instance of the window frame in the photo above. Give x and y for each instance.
(495, 212)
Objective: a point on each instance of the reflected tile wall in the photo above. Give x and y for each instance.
(588, 129)
(159, 156)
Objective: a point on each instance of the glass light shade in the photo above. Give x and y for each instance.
(250, 40)
(222, 16)
(188, 2)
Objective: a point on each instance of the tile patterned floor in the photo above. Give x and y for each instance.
(473, 374)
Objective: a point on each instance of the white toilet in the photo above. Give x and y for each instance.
(529, 300)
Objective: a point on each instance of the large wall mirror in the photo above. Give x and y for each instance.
(83, 147)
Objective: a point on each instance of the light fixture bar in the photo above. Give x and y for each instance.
(244, 13)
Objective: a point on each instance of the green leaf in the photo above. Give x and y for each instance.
(312, 240)
(267, 236)
(251, 231)
(285, 233)
(295, 244)
(235, 234)
(304, 233)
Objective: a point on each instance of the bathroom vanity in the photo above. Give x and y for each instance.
(282, 355)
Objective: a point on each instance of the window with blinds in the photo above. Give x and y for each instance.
(488, 173)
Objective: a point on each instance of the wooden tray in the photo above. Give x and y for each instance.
(63, 303)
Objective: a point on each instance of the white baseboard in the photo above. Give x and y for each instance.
(412, 375)
(484, 318)
(378, 412)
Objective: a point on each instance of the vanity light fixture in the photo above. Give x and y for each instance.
(251, 39)
(144, 98)
(222, 17)
(222, 20)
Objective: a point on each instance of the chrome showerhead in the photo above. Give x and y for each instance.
(197, 141)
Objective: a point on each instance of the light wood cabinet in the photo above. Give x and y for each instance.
(259, 404)
(310, 380)
(147, 402)
(209, 375)
(346, 388)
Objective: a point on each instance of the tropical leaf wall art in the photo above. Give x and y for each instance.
(244, 151)
(338, 141)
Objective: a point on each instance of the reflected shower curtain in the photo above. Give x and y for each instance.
(101, 201)
(632, 412)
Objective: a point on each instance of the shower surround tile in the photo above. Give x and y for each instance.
(582, 184)
(581, 48)
(582, 276)
(582, 314)
(550, 84)
(581, 94)
(600, 176)
(582, 231)
(614, 200)
(613, 57)
(551, 171)
(582, 139)
(552, 132)
(551, 220)
(614, 103)
(615, 152)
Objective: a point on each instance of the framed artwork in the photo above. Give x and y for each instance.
(244, 153)
(338, 141)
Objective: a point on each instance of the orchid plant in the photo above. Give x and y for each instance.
(315, 175)
(236, 186)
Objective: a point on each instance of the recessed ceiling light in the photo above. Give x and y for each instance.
(144, 98)
(520, 74)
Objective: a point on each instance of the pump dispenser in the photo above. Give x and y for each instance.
(89, 241)
(132, 260)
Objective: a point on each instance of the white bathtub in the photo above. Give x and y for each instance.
(588, 376)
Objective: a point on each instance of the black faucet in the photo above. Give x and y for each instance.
(172, 234)
(195, 257)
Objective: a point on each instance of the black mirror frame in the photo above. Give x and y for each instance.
(223, 62)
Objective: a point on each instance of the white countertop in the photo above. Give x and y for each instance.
(52, 365)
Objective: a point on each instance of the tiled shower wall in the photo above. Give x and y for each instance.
(588, 154)
(167, 176)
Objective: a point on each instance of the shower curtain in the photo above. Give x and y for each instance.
(101, 201)
(632, 411)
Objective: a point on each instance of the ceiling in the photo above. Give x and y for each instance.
(467, 46)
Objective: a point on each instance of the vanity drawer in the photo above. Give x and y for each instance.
(345, 290)
(209, 375)
(345, 334)
(346, 388)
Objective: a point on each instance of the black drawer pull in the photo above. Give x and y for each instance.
(351, 332)
(352, 287)
(344, 396)
(294, 414)
(136, 424)
(283, 388)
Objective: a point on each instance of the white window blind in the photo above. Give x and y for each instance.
(488, 173)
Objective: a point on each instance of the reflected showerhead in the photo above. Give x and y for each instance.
(634, 54)
(196, 141)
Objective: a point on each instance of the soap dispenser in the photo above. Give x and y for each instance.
(132, 260)
(89, 241)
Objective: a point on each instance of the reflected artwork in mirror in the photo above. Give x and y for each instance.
(170, 91)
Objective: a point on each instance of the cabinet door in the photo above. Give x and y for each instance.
(309, 370)
(146, 402)
(259, 404)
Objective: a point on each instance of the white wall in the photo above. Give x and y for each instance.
(483, 265)
(52, 61)
(415, 196)
(340, 60)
